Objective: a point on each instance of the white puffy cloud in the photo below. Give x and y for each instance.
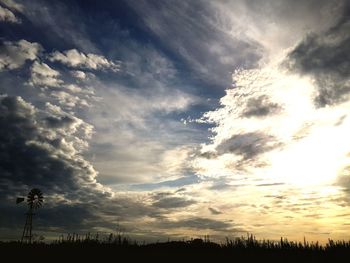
(43, 75)
(69, 100)
(14, 54)
(79, 74)
(6, 15)
(67, 95)
(76, 59)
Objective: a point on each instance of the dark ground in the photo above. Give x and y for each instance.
(197, 250)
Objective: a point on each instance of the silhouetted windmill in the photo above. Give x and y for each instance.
(34, 201)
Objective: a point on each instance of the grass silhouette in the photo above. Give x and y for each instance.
(243, 249)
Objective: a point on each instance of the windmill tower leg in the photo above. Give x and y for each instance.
(27, 230)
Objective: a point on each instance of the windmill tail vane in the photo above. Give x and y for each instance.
(19, 200)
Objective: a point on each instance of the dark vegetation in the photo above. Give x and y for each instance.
(120, 248)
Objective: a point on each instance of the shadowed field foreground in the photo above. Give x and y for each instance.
(118, 248)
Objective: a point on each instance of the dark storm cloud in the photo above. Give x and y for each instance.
(173, 202)
(168, 200)
(326, 57)
(39, 149)
(248, 145)
(260, 107)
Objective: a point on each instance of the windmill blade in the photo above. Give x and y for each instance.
(19, 200)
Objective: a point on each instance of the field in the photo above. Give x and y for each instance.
(119, 249)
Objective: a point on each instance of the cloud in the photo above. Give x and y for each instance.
(272, 184)
(60, 22)
(149, 144)
(14, 54)
(43, 75)
(76, 59)
(260, 107)
(168, 201)
(191, 32)
(43, 149)
(67, 95)
(182, 181)
(138, 136)
(79, 74)
(68, 100)
(248, 145)
(325, 56)
(275, 26)
(214, 211)
(6, 15)
(13, 5)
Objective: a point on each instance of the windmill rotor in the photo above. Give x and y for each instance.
(35, 198)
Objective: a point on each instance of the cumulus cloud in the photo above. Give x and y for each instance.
(6, 15)
(76, 59)
(14, 54)
(79, 74)
(69, 100)
(67, 95)
(43, 75)
(48, 146)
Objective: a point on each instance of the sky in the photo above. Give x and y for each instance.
(176, 119)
